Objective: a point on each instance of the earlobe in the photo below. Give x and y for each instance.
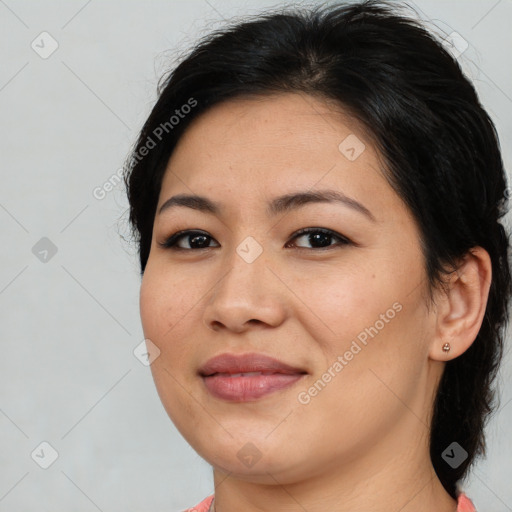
(461, 307)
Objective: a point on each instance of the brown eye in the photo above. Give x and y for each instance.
(194, 239)
(320, 238)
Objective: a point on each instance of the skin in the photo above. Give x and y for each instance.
(361, 443)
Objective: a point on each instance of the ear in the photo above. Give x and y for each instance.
(460, 309)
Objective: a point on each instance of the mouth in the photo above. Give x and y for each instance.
(247, 377)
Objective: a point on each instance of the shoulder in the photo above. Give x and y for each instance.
(464, 504)
(203, 506)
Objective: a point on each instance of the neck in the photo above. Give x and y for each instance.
(419, 494)
(393, 474)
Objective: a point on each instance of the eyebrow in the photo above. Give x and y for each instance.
(281, 204)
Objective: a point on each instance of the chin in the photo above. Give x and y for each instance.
(255, 461)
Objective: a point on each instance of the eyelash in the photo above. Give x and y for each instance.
(171, 241)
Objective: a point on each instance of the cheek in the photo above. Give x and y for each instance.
(165, 301)
(373, 318)
(166, 312)
(152, 303)
(343, 304)
(383, 355)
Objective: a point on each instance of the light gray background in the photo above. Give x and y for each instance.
(69, 325)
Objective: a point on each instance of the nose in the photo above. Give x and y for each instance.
(247, 295)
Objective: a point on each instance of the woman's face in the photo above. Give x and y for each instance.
(348, 313)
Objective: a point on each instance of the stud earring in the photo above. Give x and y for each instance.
(446, 347)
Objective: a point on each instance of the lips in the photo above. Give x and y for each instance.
(232, 364)
(247, 377)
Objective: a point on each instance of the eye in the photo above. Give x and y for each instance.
(196, 240)
(320, 238)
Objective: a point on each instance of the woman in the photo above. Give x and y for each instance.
(316, 196)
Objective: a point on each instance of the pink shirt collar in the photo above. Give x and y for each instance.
(464, 504)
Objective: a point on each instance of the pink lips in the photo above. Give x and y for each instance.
(247, 377)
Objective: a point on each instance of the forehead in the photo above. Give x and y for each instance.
(292, 121)
(252, 147)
